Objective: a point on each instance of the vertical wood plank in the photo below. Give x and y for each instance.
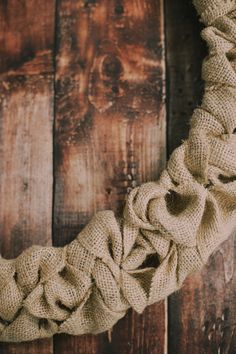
(206, 307)
(202, 314)
(184, 53)
(145, 333)
(109, 134)
(26, 120)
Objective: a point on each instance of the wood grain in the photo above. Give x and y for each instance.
(202, 317)
(205, 307)
(26, 121)
(109, 133)
(143, 333)
(98, 66)
(185, 51)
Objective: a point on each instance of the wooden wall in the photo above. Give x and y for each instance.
(94, 96)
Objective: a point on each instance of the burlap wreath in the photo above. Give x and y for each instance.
(88, 285)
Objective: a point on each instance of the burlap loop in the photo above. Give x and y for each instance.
(169, 227)
(210, 10)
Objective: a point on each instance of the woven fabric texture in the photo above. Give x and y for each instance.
(177, 222)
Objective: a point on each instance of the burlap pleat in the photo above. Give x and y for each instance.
(179, 221)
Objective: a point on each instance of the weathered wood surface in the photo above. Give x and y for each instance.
(109, 134)
(82, 120)
(202, 315)
(185, 51)
(26, 120)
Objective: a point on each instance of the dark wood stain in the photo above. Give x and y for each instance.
(201, 315)
(109, 134)
(26, 121)
(83, 105)
(185, 51)
(26, 37)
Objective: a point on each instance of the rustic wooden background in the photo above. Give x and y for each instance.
(94, 96)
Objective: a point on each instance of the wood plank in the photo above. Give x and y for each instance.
(110, 133)
(184, 53)
(143, 333)
(206, 307)
(26, 121)
(202, 314)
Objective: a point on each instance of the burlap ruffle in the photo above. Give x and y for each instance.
(168, 230)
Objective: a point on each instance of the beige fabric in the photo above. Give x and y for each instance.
(178, 221)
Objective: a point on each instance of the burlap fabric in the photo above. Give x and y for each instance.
(179, 221)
